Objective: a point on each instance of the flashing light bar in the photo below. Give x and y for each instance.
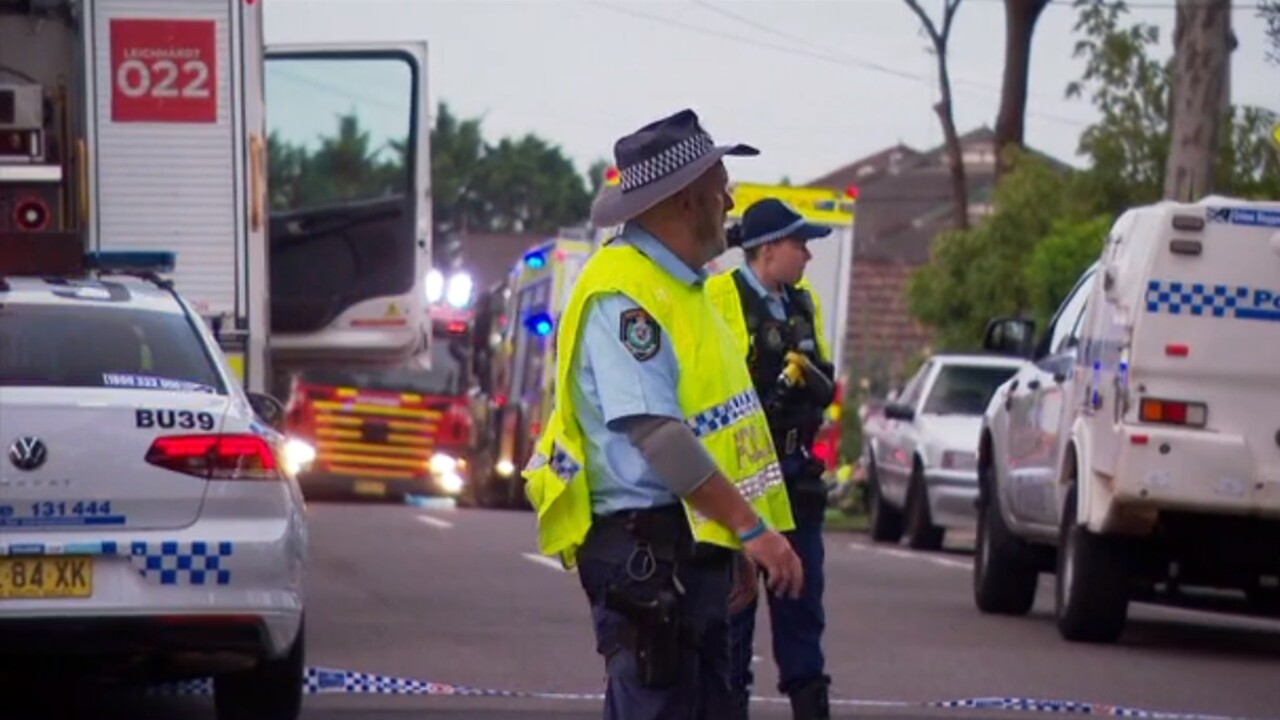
(535, 259)
(131, 262)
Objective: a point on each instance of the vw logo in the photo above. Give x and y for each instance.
(28, 453)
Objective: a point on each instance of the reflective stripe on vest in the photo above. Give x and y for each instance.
(714, 390)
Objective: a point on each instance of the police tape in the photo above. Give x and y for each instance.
(326, 681)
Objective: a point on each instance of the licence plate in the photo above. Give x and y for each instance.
(370, 487)
(46, 577)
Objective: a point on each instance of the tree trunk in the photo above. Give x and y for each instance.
(1020, 17)
(1200, 79)
(959, 184)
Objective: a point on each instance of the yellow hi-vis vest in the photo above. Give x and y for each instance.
(714, 390)
(722, 290)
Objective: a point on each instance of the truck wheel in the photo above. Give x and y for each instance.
(885, 521)
(1092, 597)
(1004, 579)
(922, 534)
(270, 691)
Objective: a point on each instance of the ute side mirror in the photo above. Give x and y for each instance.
(1010, 336)
(899, 411)
(268, 409)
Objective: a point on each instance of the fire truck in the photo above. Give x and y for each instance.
(522, 366)
(392, 432)
(168, 125)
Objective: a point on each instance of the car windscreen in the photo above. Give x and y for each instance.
(965, 389)
(94, 347)
(447, 375)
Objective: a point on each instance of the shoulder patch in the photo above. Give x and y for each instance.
(640, 333)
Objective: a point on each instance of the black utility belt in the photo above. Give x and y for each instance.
(665, 530)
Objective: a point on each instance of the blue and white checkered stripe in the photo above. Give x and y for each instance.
(183, 563)
(564, 466)
(724, 415)
(1177, 298)
(666, 162)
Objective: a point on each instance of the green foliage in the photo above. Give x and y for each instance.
(343, 168)
(1048, 224)
(1059, 260)
(981, 273)
(1269, 11)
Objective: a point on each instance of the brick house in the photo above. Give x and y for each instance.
(904, 200)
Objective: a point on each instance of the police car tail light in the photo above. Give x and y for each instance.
(1173, 412)
(216, 457)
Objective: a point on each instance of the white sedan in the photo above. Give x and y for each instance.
(149, 522)
(922, 454)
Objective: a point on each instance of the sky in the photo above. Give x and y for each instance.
(815, 84)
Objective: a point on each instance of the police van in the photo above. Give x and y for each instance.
(1138, 456)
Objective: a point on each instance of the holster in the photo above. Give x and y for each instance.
(655, 632)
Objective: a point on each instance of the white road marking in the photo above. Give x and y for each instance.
(544, 561)
(434, 521)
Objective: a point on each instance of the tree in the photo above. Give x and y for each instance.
(595, 176)
(1202, 71)
(1020, 17)
(344, 168)
(1269, 10)
(944, 108)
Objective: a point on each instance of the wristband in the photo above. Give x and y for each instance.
(754, 532)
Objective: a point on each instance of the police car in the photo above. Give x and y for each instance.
(149, 517)
(1139, 456)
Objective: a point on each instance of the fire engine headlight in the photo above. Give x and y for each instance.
(505, 468)
(435, 286)
(298, 456)
(451, 483)
(442, 464)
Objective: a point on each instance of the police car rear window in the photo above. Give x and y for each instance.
(50, 346)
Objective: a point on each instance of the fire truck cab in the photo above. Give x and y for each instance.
(393, 432)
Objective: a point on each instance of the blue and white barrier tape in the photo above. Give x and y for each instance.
(326, 681)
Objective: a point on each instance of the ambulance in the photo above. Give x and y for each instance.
(525, 366)
(1138, 455)
(168, 125)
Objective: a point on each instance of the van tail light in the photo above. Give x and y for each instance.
(1174, 412)
(216, 457)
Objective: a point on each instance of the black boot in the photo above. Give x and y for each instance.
(809, 700)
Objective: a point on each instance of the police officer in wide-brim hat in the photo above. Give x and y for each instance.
(767, 304)
(655, 466)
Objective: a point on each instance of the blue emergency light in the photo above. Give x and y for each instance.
(539, 324)
(125, 262)
(535, 259)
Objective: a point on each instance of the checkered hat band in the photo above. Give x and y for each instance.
(665, 162)
(775, 235)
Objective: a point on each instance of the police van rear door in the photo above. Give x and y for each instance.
(1206, 330)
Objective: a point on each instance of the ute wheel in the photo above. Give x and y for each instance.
(270, 691)
(1004, 578)
(922, 534)
(886, 521)
(1092, 597)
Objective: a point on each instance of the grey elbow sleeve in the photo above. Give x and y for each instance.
(672, 450)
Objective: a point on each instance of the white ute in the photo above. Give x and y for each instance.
(1140, 455)
(151, 527)
(922, 455)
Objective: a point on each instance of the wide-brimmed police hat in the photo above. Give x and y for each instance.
(656, 162)
(770, 220)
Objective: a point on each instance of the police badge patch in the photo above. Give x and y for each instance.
(640, 334)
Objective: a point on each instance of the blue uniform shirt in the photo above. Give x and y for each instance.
(773, 301)
(615, 379)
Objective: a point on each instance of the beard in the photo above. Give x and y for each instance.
(710, 232)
